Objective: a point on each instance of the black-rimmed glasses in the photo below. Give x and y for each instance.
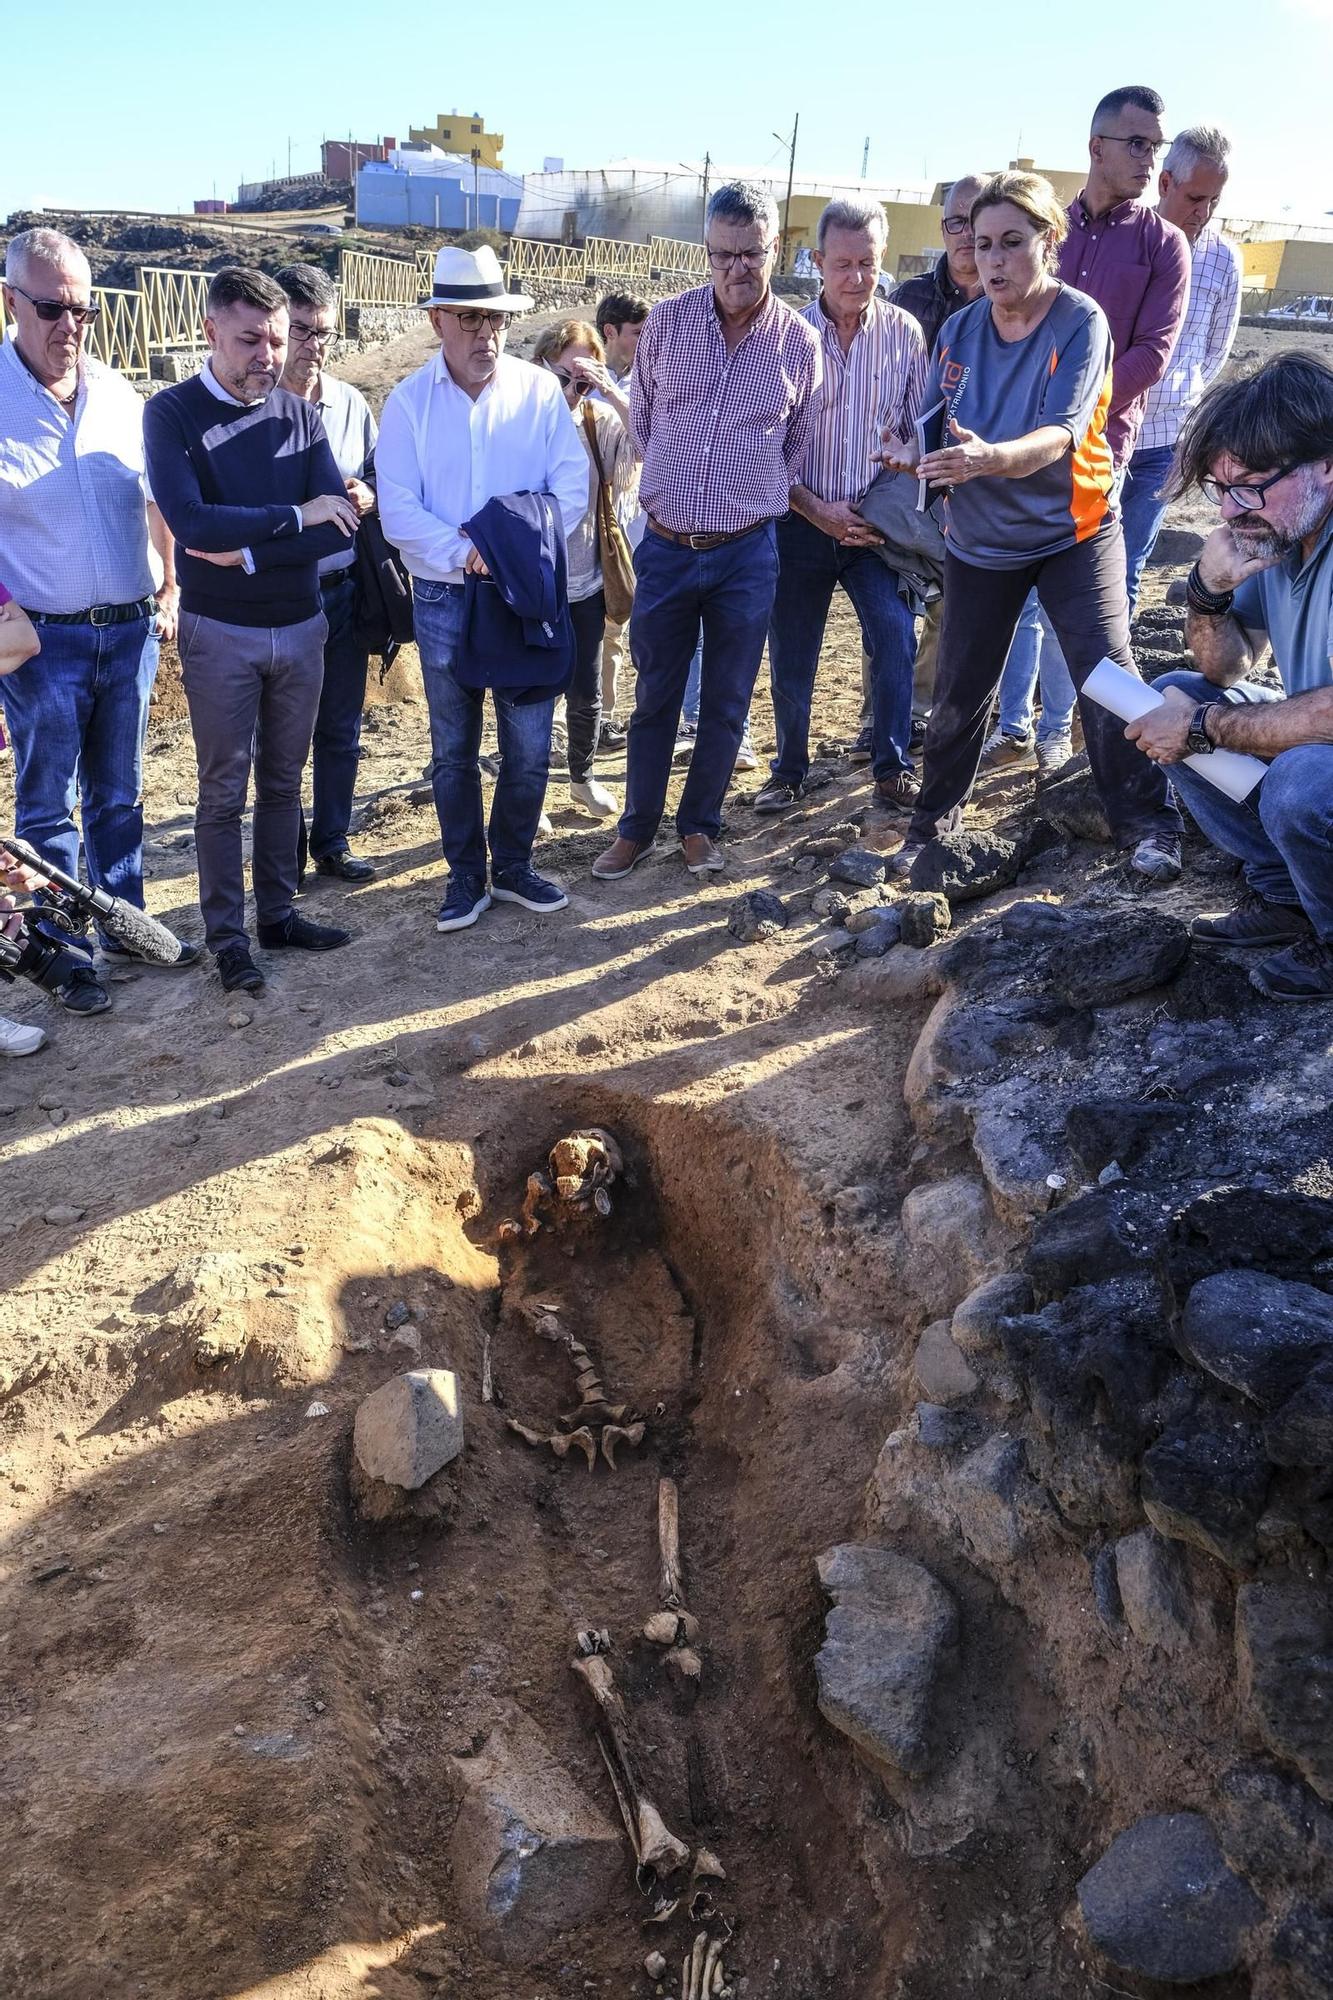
(312, 336)
(954, 225)
(1140, 148)
(1249, 498)
(51, 309)
(727, 260)
(473, 322)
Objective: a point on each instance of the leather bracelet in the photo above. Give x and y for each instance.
(1209, 603)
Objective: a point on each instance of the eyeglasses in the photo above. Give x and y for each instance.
(955, 225)
(312, 336)
(727, 260)
(51, 309)
(473, 322)
(1140, 148)
(1249, 498)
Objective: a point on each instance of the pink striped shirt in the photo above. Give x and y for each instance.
(878, 382)
(722, 435)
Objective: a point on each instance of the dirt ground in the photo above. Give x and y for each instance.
(230, 1714)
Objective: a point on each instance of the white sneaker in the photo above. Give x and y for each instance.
(593, 797)
(1053, 754)
(1002, 748)
(16, 1039)
(544, 824)
(746, 759)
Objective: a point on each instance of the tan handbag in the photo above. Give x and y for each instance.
(614, 550)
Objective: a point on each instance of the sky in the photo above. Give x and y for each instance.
(194, 102)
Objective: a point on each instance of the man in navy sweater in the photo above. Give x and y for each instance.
(245, 478)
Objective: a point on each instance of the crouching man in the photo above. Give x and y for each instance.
(1262, 450)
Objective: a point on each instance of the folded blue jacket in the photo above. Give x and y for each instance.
(517, 634)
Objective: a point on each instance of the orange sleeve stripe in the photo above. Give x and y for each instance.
(1092, 471)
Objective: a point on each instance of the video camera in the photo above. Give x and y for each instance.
(68, 905)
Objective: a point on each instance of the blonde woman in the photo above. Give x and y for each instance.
(1025, 376)
(574, 354)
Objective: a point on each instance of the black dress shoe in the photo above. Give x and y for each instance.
(345, 865)
(299, 934)
(237, 970)
(611, 736)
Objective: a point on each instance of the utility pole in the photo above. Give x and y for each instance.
(703, 213)
(289, 156)
(791, 174)
(476, 187)
(865, 156)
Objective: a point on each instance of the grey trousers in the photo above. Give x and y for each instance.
(253, 692)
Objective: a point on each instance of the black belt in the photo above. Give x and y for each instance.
(98, 614)
(338, 576)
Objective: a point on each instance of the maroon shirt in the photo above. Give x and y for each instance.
(1137, 267)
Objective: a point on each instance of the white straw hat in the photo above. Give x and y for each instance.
(473, 278)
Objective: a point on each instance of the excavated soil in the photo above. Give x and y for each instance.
(231, 1714)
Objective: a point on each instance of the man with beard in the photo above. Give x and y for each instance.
(1262, 450)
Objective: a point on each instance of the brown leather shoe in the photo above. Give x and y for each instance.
(619, 858)
(898, 794)
(702, 855)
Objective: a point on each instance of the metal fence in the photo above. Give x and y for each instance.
(119, 334)
(174, 303)
(555, 263)
(608, 257)
(367, 280)
(677, 259)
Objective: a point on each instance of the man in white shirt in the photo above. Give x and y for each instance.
(471, 425)
(74, 533)
(1190, 186)
(312, 327)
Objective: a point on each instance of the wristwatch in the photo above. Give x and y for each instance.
(1199, 743)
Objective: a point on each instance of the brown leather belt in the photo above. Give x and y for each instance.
(700, 543)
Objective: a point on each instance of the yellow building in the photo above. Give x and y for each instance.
(1287, 265)
(459, 133)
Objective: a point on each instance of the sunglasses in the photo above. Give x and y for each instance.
(51, 309)
(567, 381)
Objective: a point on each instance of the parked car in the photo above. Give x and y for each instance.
(1314, 306)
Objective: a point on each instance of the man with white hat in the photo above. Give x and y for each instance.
(471, 425)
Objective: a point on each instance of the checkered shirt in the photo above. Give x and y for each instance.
(1209, 327)
(722, 435)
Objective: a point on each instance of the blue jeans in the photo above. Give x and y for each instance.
(811, 565)
(1283, 833)
(524, 730)
(1035, 652)
(77, 715)
(689, 713)
(1142, 511)
(337, 741)
(730, 591)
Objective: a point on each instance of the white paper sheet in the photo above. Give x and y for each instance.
(1125, 695)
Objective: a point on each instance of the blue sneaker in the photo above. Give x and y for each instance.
(464, 901)
(526, 886)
